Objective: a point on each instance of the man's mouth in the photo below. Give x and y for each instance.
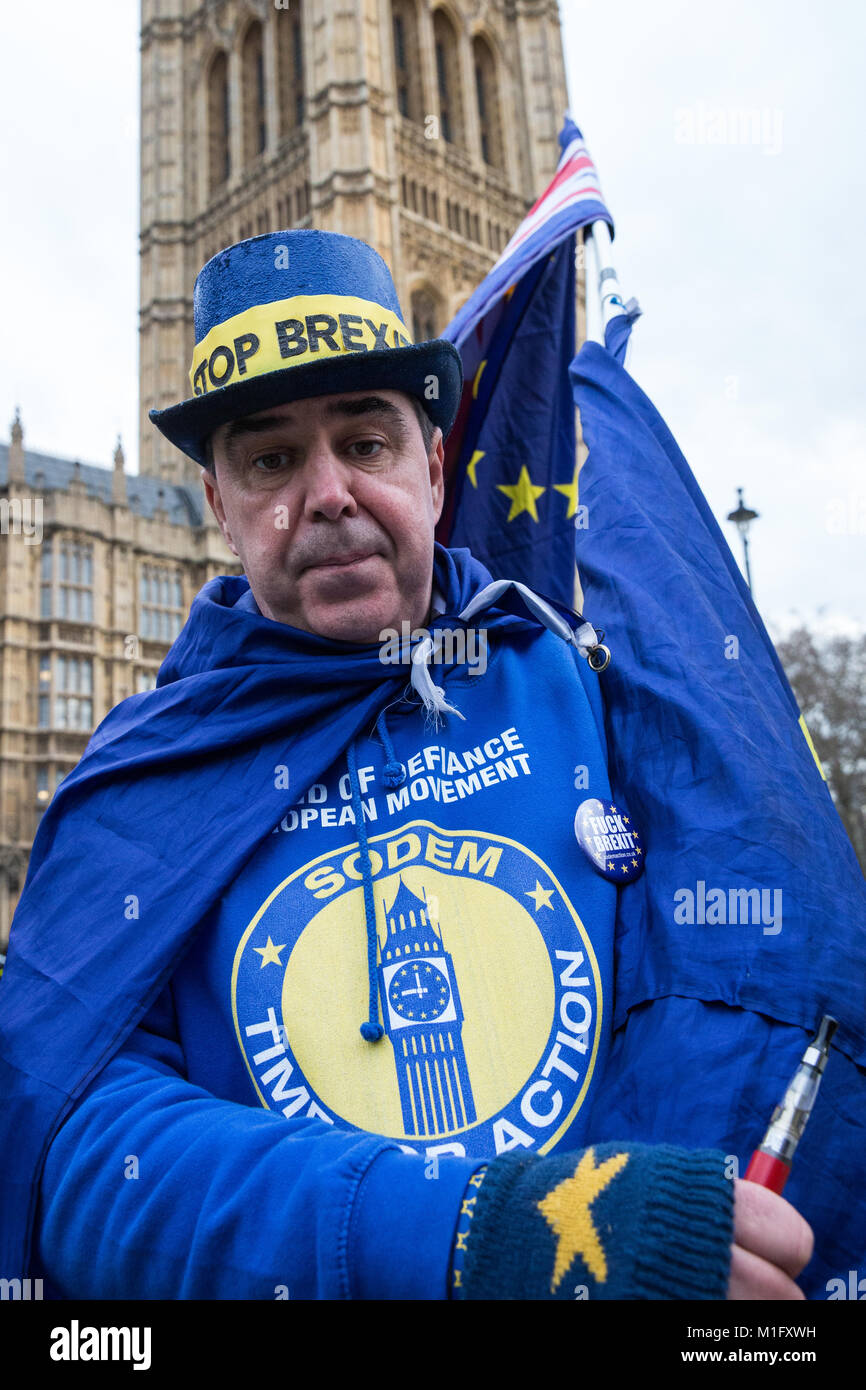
(342, 562)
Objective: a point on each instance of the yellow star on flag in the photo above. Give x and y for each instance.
(540, 896)
(566, 1211)
(522, 494)
(569, 490)
(477, 381)
(473, 464)
(270, 954)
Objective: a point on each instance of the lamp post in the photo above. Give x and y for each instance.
(742, 519)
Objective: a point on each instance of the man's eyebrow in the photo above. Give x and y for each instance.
(366, 405)
(236, 429)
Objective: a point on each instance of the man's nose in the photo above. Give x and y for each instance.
(327, 485)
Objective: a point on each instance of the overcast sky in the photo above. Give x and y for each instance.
(728, 138)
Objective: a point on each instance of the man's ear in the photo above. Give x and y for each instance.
(214, 501)
(437, 474)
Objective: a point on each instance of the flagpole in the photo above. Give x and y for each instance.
(581, 326)
(610, 294)
(610, 304)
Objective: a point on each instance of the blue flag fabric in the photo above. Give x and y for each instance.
(510, 457)
(509, 495)
(752, 898)
(175, 791)
(618, 331)
(707, 734)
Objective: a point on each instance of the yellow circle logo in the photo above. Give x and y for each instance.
(488, 992)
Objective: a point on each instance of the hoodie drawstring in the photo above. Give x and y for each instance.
(372, 1030)
(395, 773)
(394, 776)
(584, 638)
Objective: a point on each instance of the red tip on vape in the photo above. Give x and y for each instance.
(770, 1164)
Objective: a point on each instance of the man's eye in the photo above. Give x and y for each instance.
(270, 463)
(365, 444)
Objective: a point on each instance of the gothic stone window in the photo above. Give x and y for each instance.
(219, 162)
(448, 79)
(407, 75)
(253, 69)
(161, 611)
(487, 97)
(67, 581)
(290, 66)
(65, 692)
(46, 783)
(424, 316)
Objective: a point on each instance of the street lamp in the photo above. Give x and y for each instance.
(742, 519)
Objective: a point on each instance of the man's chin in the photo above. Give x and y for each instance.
(347, 605)
(359, 622)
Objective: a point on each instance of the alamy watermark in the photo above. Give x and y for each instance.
(854, 1288)
(846, 516)
(23, 1289)
(735, 125)
(77, 1343)
(454, 646)
(711, 907)
(22, 516)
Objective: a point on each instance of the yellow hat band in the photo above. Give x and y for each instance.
(289, 333)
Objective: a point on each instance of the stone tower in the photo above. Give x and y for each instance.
(425, 127)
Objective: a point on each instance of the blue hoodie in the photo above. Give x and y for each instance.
(494, 969)
(281, 851)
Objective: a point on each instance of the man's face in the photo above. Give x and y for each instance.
(330, 503)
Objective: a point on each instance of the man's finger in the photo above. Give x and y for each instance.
(771, 1228)
(753, 1278)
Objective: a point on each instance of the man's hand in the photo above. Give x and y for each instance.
(772, 1244)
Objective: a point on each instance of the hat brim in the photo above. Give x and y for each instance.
(190, 423)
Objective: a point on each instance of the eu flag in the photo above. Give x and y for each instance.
(749, 921)
(510, 459)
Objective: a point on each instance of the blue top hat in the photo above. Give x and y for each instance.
(301, 313)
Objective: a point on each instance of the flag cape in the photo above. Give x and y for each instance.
(176, 790)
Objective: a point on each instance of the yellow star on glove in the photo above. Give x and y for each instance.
(566, 1211)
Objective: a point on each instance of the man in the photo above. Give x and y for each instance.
(336, 1015)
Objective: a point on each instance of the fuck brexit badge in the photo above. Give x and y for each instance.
(610, 841)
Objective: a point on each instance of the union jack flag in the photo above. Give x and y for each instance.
(572, 200)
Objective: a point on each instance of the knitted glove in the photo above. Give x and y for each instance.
(614, 1221)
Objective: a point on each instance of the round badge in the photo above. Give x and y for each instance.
(609, 839)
